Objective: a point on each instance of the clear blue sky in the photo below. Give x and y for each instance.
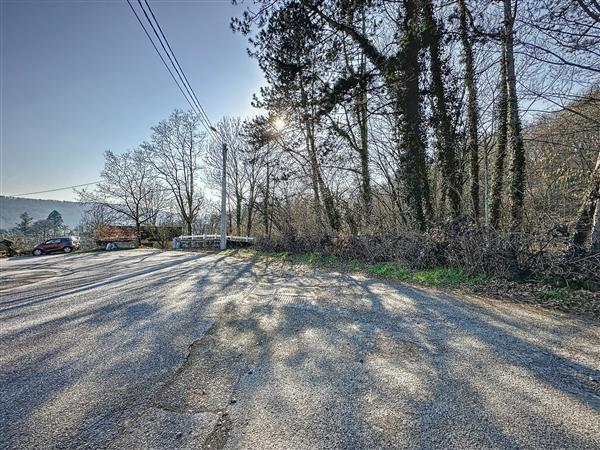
(81, 77)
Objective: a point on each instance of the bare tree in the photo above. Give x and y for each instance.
(174, 152)
(96, 216)
(128, 188)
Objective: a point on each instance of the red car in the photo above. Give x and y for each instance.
(61, 244)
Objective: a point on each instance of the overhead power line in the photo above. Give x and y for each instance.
(212, 131)
(159, 54)
(53, 190)
(177, 65)
(189, 93)
(168, 54)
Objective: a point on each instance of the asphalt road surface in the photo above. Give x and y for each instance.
(140, 349)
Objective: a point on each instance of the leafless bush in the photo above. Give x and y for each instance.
(20, 242)
(539, 256)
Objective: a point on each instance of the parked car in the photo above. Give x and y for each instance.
(61, 244)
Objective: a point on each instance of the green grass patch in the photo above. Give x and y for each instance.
(554, 294)
(318, 259)
(447, 276)
(439, 276)
(276, 255)
(353, 264)
(389, 270)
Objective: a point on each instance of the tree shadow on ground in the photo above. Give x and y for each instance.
(74, 376)
(397, 367)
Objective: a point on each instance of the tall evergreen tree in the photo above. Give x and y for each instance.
(24, 226)
(56, 219)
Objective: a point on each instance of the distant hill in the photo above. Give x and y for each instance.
(12, 207)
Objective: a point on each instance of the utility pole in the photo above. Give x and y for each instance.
(223, 200)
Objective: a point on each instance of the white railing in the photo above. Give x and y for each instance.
(213, 237)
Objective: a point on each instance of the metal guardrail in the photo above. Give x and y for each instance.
(213, 237)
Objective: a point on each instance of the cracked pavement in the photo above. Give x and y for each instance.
(142, 349)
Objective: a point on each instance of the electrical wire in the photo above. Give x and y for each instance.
(159, 54)
(191, 97)
(52, 190)
(177, 66)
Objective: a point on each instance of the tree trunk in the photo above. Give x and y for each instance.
(190, 190)
(472, 109)
(312, 156)
(250, 211)
(595, 243)
(321, 189)
(314, 177)
(403, 87)
(362, 117)
(514, 126)
(486, 184)
(266, 201)
(238, 213)
(138, 233)
(447, 144)
(498, 181)
(412, 147)
(331, 210)
(588, 221)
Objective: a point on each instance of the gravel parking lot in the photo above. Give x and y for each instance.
(144, 349)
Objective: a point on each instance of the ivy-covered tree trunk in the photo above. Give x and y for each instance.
(362, 116)
(472, 109)
(498, 180)
(331, 209)
(447, 144)
(514, 126)
(401, 73)
(412, 147)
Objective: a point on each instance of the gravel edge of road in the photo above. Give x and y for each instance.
(583, 305)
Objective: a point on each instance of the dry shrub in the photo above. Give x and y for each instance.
(525, 256)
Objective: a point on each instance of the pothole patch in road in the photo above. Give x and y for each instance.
(217, 438)
(207, 381)
(159, 428)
